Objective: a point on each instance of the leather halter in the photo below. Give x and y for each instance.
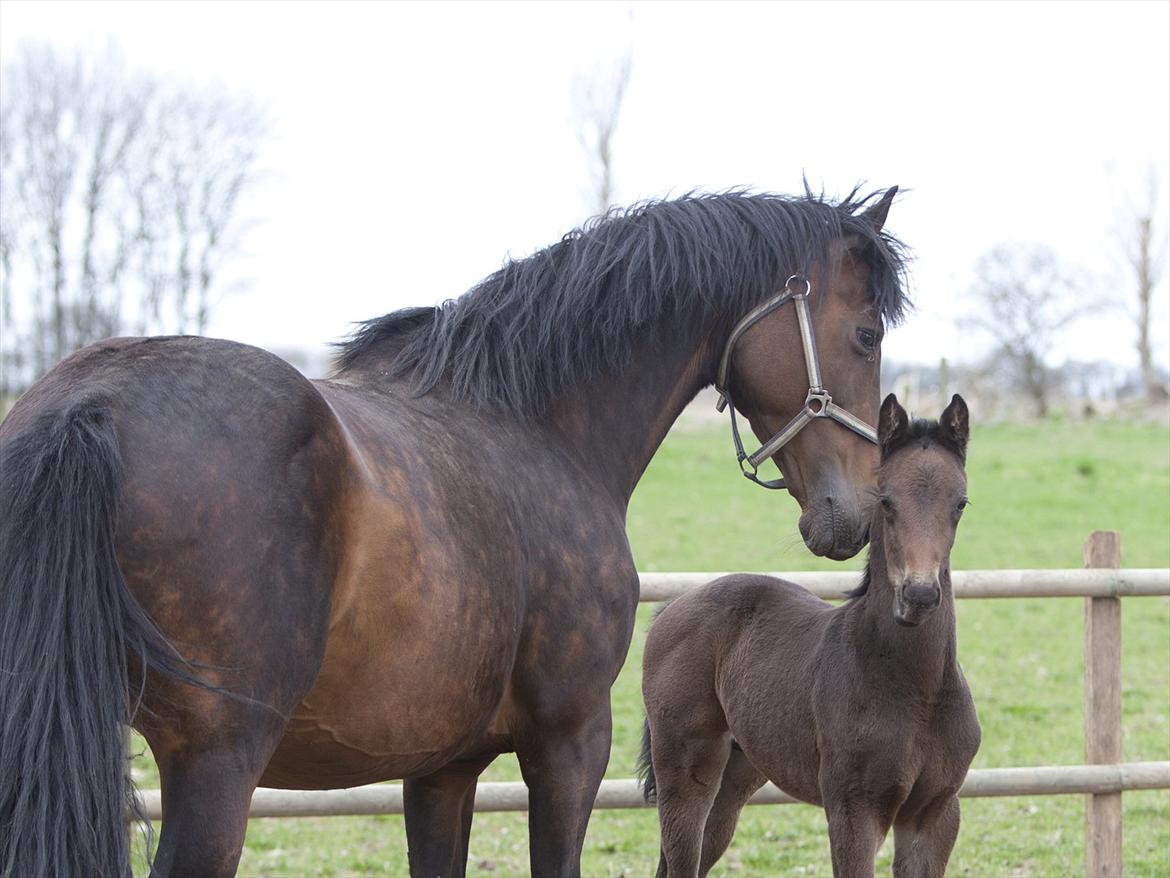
(817, 404)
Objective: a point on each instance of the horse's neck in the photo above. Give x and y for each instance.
(616, 421)
(922, 657)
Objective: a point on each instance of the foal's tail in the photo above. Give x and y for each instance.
(68, 624)
(646, 766)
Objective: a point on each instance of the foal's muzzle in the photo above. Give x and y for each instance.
(914, 600)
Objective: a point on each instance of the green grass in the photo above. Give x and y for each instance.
(1037, 492)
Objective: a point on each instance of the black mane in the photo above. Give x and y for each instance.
(542, 324)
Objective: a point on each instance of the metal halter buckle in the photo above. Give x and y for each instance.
(817, 404)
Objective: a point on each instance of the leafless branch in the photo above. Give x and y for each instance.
(1023, 299)
(597, 106)
(1144, 246)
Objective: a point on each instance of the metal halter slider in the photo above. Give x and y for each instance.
(817, 404)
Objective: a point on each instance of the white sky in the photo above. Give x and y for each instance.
(416, 145)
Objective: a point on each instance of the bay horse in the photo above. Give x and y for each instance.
(860, 708)
(414, 566)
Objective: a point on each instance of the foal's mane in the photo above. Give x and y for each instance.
(542, 324)
(923, 433)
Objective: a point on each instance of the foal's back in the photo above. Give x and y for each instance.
(736, 659)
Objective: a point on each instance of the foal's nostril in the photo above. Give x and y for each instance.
(922, 596)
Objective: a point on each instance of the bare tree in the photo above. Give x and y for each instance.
(118, 203)
(1144, 249)
(1023, 299)
(597, 107)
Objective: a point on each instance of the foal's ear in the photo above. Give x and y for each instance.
(955, 425)
(876, 214)
(893, 422)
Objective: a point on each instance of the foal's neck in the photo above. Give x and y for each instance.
(921, 656)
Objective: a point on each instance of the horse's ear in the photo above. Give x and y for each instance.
(955, 425)
(876, 214)
(893, 422)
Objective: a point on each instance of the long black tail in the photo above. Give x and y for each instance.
(68, 625)
(646, 766)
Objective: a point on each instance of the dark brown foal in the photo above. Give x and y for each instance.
(860, 708)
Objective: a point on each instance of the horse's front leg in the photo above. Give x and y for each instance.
(562, 765)
(923, 844)
(438, 810)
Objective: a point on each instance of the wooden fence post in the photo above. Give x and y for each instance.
(1103, 709)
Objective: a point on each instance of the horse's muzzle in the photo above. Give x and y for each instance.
(835, 530)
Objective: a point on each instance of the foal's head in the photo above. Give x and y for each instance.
(922, 490)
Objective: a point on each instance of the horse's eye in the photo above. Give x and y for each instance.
(887, 505)
(868, 338)
(962, 504)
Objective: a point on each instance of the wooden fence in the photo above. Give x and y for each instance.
(1102, 584)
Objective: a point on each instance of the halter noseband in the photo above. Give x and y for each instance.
(817, 404)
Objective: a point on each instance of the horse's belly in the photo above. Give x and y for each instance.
(405, 686)
(373, 729)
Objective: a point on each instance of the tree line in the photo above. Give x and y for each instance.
(119, 203)
(1023, 298)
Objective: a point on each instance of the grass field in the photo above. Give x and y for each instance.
(1036, 492)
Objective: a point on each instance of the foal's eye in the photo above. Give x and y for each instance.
(887, 505)
(868, 338)
(961, 505)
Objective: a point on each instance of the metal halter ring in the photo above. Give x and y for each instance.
(817, 404)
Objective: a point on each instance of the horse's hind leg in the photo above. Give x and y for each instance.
(439, 808)
(741, 779)
(207, 785)
(923, 844)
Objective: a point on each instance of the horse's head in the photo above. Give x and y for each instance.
(829, 468)
(922, 489)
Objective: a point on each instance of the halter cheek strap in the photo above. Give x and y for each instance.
(817, 404)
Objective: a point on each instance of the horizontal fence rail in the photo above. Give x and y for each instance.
(832, 585)
(1096, 780)
(1045, 780)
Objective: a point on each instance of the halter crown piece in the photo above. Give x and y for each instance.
(817, 404)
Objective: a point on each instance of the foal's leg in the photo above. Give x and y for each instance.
(923, 844)
(688, 766)
(856, 830)
(741, 779)
(439, 808)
